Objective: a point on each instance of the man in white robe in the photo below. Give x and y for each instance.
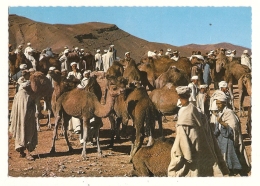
(245, 59)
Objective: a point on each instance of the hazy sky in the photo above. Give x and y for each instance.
(173, 25)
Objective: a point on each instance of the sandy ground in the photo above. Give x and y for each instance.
(114, 163)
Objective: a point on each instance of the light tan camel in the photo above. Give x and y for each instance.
(244, 87)
(84, 105)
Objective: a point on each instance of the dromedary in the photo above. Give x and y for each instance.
(47, 62)
(42, 88)
(153, 160)
(116, 70)
(233, 72)
(165, 101)
(172, 75)
(141, 110)
(155, 67)
(84, 105)
(244, 87)
(15, 60)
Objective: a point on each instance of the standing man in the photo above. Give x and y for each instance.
(230, 141)
(194, 152)
(31, 58)
(245, 59)
(110, 56)
(160, 53)
(63, 59)
(176, 55)
(27, 49)
(194, 89)
(19, 49)
(105, 61)
(98, 60)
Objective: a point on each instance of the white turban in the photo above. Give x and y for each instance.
(63, 70)
(175, 52)
(66, 51)
(222, 84)
(203, 86)
(31, 70)
(98, 50)
(29, 44)
(199, 57)
(221, 97)
(73, 63)
(183, 90)
(111, 46)
(127, 53)
(245, 51)
(229, 52)
(52, 68)
(23, 66)
(20, 46)
(194, 77)
(76, 48)
(105, 50)
(87, 71)
(82, 49)
(169, 50)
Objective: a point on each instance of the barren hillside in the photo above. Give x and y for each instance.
(90, 36)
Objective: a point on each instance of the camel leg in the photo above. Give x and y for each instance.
(97, 140)
(241, 100)
(139, 133)
(65, 125)
(57, 118)
(85, 130)
(160, 123)
(112, 129)
(230, 86)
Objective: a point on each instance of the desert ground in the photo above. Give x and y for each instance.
(114, 163)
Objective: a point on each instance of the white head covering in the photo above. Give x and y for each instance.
(52, 68)
(222, 84)
(105, 50)
(29, 44)
(82, 49)
(23, 66)
(76, 48)
(233, 50)
(245, 51)
(203, 86)
(98, 50)
(31, 70)
(20, 46)
(169, 50)
(183, 90)
(112, 46)
(87, 71)
(175, 52)
(63, 70)
(199, 57)
(66, 51)
(221, 97)
(127, 53)
(229, 52)
(194, 77)
(73, 63)
(66, 47)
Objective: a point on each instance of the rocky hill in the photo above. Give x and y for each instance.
(91, 36)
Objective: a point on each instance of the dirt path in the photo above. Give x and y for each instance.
(62, 164)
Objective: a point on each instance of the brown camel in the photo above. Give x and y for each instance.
(133, 74)
(84, 105)
(244, 86)
(42, 88)
(172, 75)
(157, 66)
(47, 62)
(116, 69)
(141, 110)
(15, 60)
(153, 160)
(165, 101)
(233, 72)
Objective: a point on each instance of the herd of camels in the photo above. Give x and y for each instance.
(142, 91)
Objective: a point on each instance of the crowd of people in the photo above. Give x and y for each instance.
(194, 100)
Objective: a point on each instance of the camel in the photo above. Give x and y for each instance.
(155, 67)
(233, 72)
(84, 105)
(248, 123)
(133, 74)
(141, 110)
(165, 101)
(174, 76)
(15, 60)
(116, 69)
(244, 86)
(153, 160)
(41, 87)
(47, 62)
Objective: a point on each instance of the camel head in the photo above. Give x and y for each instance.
(246, 80)
(221, 61)
(116, 85)
(196, 60)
